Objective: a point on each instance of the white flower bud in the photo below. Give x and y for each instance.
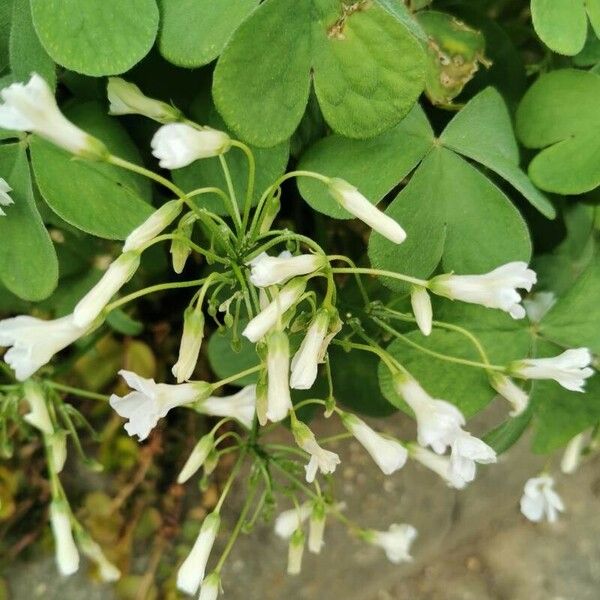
(32, 107)
(5, 199)
(38, 415)
(191, 342)
(321, 459)
(153, 225)
(573, 452)
(396, 541)
(289, 520)
(117, 275)
(355, 203)
(510, 391)
(67, 556)
(295, 552)
(274, 270)
(539, 500)
(180, 251)
(197, 457)
(106, 570)
(57, 450)
(209, 590)
(177, 145)
(421, 305)
(316, 528)
(127, 99)
(279, 400)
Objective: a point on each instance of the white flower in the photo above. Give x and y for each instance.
(295, 552)
(127, 99)
(496, 289)
(267, 318)
(35, 341)
(279, 400)
(32, 107)
(438, 464)
(537, 305)
(321, 459)
(191, 342)
(274, 270)
(570, 369)
(466, 451)
(38, 415)
(151, 401)
(153, 225)
(396, 541)
(510, 391)
(5, 199)
(421, 305)
(209, 590)
(539, 500)
(289, 520)
(67, 556)
(355, 203)
(107, 571)
(311, 352)
(197, 457)
(116, 276)
(573, 452)
(240, 406)
(57, 450)
(191, 572)
(438, 421)
(316, 528)
(177, 145)
(390, 455)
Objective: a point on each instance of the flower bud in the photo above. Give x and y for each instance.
(295, 552)
(197, 457)
(421, 305)
(191, 341)
(153, 225)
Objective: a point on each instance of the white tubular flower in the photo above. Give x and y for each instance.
(127, 99)
(321, 459)
(496, 289)
(5, 199)
(274, 270)
(209, 590)
(570, 369)
(421, 306)
(438, 464)
(35, 341)
(316, 528)
(390, 455)
(32, 107)
(57, 450)
(151, 401)
(191, 572)
(268, 317)
(306, 361)
(67, 556)
(289, 520)
(279, 400)
(240, 406)
(539, 500)
(38, 415)
(117, 275)
(295, 552)
(106, 570)
(153, 225)
(438, 421)
(355, 203)
(177, 145)
(396, 541)
(191, 342)
(466, 451)
(573, 452)
(197, 457)
(510, 391)
(538, 304)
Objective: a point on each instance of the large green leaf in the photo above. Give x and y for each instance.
(451, 212)
(194, 32)
(559, 114)
(27, 55)
(95, 197)
(262, 78)
(5, 27)
(96, 37)
(561, 24)
(28, 264)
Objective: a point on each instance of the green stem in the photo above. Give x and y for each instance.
(237, 376)
(251, 178)
(230, 480)
(359, 283)
(76, 391)
(382, 273)
(233, 205)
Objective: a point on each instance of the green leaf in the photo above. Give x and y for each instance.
(507, 434)
(574, 319)
(482, 131)
(405, 16)
(194, 32)
(27, 55)
(262, 79)
(5, 26)
(561, 24)
(451, 212)
(121, 322)
(270, 164)
(95, 197)
(559, 114)
(96, 37)
(28, 263)
(374, 165)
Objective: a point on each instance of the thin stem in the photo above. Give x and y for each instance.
(294, 480)
(251, 179)
(391, 363)
(233, 205)
(230, 480)
(382, 273)
(359, 283)
(76, 391)
(237, 376)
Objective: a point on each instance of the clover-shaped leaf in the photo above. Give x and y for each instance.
(263, 77)
(559, 114)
